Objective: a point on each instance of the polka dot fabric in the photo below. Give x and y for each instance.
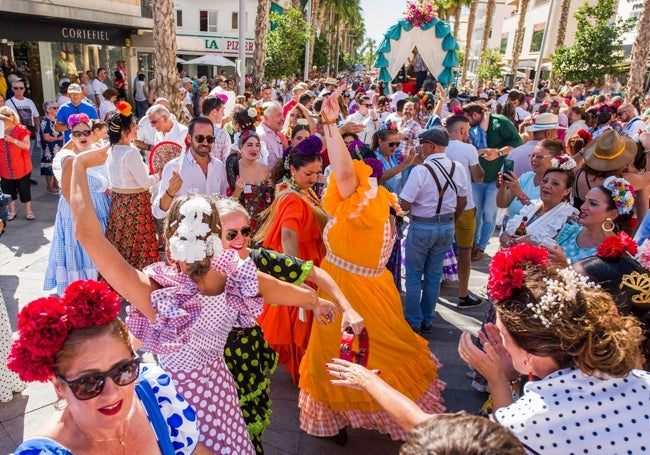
(571, 413)
(9, 381)
(192, 351)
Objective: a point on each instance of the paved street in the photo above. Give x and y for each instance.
(23, 258)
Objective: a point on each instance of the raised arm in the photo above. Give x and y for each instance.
(340, 159)
(129, 282)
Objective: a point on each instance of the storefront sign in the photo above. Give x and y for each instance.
(38, 29)
(223, 44)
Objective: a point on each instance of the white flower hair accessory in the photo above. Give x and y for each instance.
(252, 112)
(186, 244)
(622, 193)
(564, 162)
(558, 292)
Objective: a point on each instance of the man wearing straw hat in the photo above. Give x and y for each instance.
(545, 126)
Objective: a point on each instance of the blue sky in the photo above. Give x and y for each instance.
(379, 15)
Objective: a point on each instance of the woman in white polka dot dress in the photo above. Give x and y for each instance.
(560, 328)
(184, 311)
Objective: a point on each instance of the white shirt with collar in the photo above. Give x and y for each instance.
(273, 144)
(467, 155)
(422, 192)
(177, 134)
(193, 178)
(634, 128)
(369, 126)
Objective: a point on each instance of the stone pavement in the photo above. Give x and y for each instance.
(24, 250)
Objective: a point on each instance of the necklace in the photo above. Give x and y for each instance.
(120, 439)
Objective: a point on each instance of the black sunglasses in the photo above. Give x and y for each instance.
(200, 138)
(393, 144)
(92, 385)
(18, 88)
(232, 234)
(84, 133)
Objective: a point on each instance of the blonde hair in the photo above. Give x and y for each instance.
(9, 112)
(227, 206)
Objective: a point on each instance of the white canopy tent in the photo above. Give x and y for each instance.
(211, 60)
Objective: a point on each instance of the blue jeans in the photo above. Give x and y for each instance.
(485, 198)
(426, 246)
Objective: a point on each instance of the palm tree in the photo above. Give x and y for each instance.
(164, 39)
(561, 26)
(487, 28)
(638, 68)
(468, 39)
(315, 4)
(261, 31)
(519, 34)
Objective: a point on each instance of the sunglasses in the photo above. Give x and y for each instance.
(92, 385)
(18, 88)
(393, 144)
(201, 138)
(232, 234)
(295, 115)
(84, 133)
(367, 105)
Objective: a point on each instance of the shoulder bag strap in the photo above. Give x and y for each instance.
(148, 399)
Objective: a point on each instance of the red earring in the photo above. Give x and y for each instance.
(531, 378)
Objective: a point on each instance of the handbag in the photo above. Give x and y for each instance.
(346, 353)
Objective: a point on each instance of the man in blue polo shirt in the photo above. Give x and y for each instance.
(75, 106)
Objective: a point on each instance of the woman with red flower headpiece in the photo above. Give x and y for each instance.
(109, 402)
(562, 332)
(183, 311)
(68, 260)
(130, 226)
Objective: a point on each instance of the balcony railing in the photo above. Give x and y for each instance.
(146, 9)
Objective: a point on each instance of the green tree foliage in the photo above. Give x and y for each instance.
(490, 67)
(598, 46)
(321, 51)
(285, 46)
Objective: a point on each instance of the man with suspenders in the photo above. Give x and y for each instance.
(436, 194)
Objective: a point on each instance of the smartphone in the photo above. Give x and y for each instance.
(508, 166)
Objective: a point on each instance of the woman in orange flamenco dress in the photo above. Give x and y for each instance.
(293, 226)
(359, 240)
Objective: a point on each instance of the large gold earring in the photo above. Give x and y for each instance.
(608, 227)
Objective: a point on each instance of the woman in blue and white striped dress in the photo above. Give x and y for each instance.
(68, 260)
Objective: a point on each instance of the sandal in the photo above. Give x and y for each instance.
(30, 216)
(11, 216)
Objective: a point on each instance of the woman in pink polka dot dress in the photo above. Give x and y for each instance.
(185, 310)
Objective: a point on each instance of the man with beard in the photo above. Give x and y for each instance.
(194, 170)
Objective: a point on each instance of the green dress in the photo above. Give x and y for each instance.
(249, 358)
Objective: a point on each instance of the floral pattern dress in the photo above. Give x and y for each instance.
(48, 149)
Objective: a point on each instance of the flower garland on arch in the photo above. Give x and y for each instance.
(420, 12)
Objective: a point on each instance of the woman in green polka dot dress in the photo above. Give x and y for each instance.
(248, 357)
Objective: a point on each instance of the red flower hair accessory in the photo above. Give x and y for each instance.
(616, 246)
(585, 135)
(506, 269)
(124, 108)
(45, 324)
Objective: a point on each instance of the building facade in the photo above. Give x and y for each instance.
(55, 40)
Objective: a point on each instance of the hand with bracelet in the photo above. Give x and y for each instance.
(174, 185)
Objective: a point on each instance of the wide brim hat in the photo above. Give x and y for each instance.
(331, 81)
(610, 151)
(545, 121)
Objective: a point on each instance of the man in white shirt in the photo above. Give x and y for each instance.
(167, 129)
(576, 116)
(462, 151)
(186, 87)
(146, 138)
(99, 86)
(195, 170)
(213, 108)
(366, 116)
(23, 106)
(436, 195)
(268, 130)
(87, 88)
(546, 126)
(398, 94)
(634, 125)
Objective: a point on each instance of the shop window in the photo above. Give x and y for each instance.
(504, 43)
(208, 21)
(179, 18)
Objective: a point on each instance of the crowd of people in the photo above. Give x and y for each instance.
(242, 232)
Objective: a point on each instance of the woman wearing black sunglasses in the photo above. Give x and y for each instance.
(110, 404)
(68, 261)
(183, 311)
